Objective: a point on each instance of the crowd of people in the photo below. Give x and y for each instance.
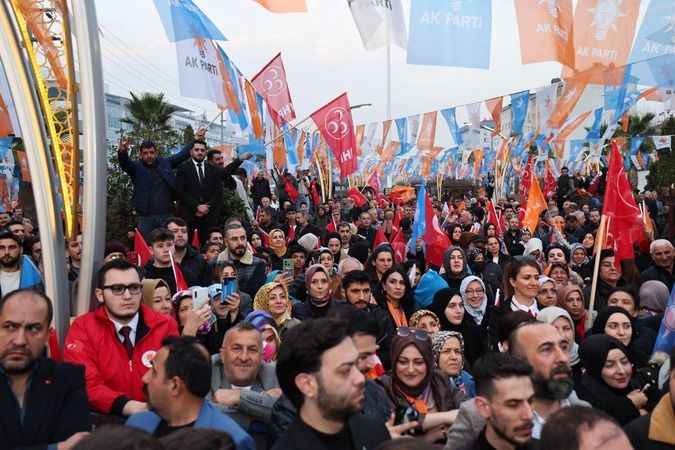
(303, 325)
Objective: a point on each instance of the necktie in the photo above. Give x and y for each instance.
(125, 331)
(200, 170)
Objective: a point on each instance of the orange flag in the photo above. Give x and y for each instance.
(386, 125)
(545, 29)
(604, 32)
(256, 120)
(574, 89)
(536, 203)
(427, 131)
(5, 122)
(360, 131)
(284, 6)
(494, 105)
(571, 126)
(279, 149)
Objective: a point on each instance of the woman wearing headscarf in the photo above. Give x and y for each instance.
(448, 348)
(318, 299)
(654, 296)
(548, 292)
(616, 322)
(273, 298)
(423, 319)
(477, 304)
(580, 262)
(571, 299)
(157, 295)
(563, 322)
(394, 295)
(449, 307)
(415, 384)
(456, 267)
(277, 248)
(607, 381)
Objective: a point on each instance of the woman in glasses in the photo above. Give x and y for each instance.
(394, 295)
(416, 390)
(448, 347)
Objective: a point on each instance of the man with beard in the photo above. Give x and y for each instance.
(251, 271)
(117, 341)
(504, 392)
(513, 237)
(565, 187)
(43, 403)
(547, 351)
(176, 384)
(318, 370)
(195, 269)
(16, 270)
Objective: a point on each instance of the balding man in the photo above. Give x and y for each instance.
(663, 254)
(43, 403)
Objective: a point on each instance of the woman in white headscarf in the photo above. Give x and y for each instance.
(563, 322)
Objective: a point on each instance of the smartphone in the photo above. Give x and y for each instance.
(200, 297)
(287, 267)
(405, 414)
(229, 287)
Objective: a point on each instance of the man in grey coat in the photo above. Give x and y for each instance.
(241, 384)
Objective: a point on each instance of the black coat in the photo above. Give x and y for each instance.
(659, 274)
(55, 407)
(192, 193)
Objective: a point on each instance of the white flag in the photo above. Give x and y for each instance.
(661, 142)
(199, 70)
(380, 22)
(545, 104)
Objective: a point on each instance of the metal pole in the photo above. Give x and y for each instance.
(388, 81)
(222, 129)
(29, 114)
(94, 157)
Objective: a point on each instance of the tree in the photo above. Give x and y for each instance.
(150, 118)
(188, 134)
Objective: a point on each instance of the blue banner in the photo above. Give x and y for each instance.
(182, 19)
(449, 116)
(666, 338)
(419, 223)
(519, 104)
(402, 129)
(451, 33)
(657, 33)
(594, 132)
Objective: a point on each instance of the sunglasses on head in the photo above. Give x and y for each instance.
(420, 335)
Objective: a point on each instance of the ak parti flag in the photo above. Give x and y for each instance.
(545, 29)
(271, 83)
(604, 32)
(335, 123)
(574, 89)
(427, 134)
(536, 203)
(624, 221)
(143, 254)
(284, 6)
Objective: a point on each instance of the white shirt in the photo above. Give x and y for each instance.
(133, 324)
(532, 310)
(538, 421)
(9, 281)
(197, 163)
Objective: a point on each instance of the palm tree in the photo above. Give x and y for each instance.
(149, 119)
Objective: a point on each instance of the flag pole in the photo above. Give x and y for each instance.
(599, 242)
(388, 78)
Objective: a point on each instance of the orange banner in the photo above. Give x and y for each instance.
(536, 203)
(427, 135)
(256, 120)
(495, 106)
(386, 126)
(571, 126)
(359, 132)
(5, 122)
(545, 29)
(574, 89)
(279, 149)
(284, 6)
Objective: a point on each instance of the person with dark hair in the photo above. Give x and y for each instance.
(251, 270)
(583, 428)
(456, 267)
(113, 250)
(260, 187)
(625, 297)
(609, 277)
(17, 271)
(504, 392)
(655, 431)
(198, 439)
(380, 261)
(560, 273)
(318, 370)
(318, 298)
(177, 383)
(161, 243)
(43, 402)
(521, 286)
(394, 295)
(195, 269)
(618, 323)
(556, 253)
(118, 437)
(513, 239)
(153, 180)
(115, 341)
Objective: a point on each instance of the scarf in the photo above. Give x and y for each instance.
(586, 260)
(309, 274)
(654, 296)
(279, 250)
(261, 301)
(400, 343)
(549, 315)
(476, 313)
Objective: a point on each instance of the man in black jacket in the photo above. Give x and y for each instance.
(195, 269)
(663, 255)
(199, 187)
(43, 403)
(317, 368)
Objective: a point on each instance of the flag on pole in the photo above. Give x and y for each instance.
(536, 203)
(494, 219)
(334, 121)
(284, 6)
(271, 83)
(526, 180)
(495, 106)
(550, 183)
(436, 241)
(143, 253)
(574, 89)
(200, 74)
(655, 37)
(427, 134)
(545, 29)
(379, 238)
(181, 284)
(380, 23)
(399, 245)
(182, 19)
(519, 105)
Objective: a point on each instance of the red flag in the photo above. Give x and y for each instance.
(493, 219)
(141, 249)
(624, 222)
(380, 237)
(334, 120)
(374, 181)
(181, 284)
(397, 217)
(195, 240)
(271, 83)
(291, 190)
(436, 241)
(525, 180)
(316, 198)
(399, 246)
(550, 184)
(357, 196)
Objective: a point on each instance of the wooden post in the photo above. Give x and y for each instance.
(599, 243)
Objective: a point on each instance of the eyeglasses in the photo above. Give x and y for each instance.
(474, 292)
(118, 289)
(420, 335)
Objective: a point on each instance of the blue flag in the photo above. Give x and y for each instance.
(5, 146)
(519, 104)
(419, 224)
(666, 338)
(402, 129)
(450, 33)
(449, 116)
(182, 19)
(594, 132)
(657, 32)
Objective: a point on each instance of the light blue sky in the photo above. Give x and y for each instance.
(323, 55)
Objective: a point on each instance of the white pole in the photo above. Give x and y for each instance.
(388, 81)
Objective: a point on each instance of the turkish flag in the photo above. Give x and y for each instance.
(525, 180)
(357, 196)
(624, 221)
(380, 238)
(141, 249)
(271, 83)
(436, 241)
(399, 246)
(337, 128)
(550, 184)
(493, 219)
(374, 181)
(181, 284)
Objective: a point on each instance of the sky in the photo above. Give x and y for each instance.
(323, 56)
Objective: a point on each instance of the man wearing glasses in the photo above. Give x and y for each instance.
(117, 341)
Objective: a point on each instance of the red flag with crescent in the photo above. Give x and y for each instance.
(271, 83)
(335, 123)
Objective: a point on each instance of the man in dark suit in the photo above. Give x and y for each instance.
(43, 403)
(199, 186)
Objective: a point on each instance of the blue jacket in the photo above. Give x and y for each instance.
(210, 417)
(153, 185)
